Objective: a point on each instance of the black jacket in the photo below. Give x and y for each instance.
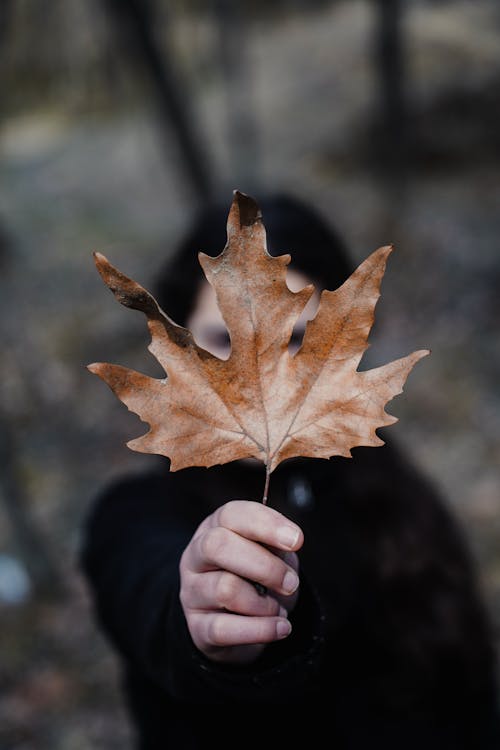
(390, 645)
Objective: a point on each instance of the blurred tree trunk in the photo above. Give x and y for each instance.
(391, 68)
(5, 19)
(233, 21)
(134, 21)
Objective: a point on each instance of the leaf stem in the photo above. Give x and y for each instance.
(266, 486)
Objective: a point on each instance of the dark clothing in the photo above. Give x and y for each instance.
(390, 646)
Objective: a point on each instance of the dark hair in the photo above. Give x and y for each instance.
(291, 227)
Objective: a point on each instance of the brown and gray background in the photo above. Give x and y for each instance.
(117, 120)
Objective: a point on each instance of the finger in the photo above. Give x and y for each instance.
(288, 602)
(222, 630)
(221, 590)
(259, 523)
(221, 549)
(290, 558)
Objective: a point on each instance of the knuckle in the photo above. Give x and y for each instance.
(213, 542)
(195, 628)
(185, 592)
(228, 513)
(183, 564)
(216, 631)
(226, 591)
(224, 515)
(186, 608)
(183, 596)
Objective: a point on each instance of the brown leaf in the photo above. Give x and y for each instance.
(262, 401)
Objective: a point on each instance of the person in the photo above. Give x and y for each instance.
(347, 611)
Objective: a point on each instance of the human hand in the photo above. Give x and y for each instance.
(241, 543)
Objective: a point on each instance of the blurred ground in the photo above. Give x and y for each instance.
(89, 171)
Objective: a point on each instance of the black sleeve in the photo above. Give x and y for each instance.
(416, 648)
(130, 555)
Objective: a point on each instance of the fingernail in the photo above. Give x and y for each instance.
(283, 628)
(287, 536)
(290, 582)
(283, 612)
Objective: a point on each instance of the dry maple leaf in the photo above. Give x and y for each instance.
(261, 402)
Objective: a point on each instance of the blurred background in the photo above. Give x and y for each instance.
(118, 118)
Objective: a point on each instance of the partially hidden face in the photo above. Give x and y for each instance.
(210, 332)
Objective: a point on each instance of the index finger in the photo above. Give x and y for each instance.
(259, 523)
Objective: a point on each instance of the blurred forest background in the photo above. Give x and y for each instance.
(117, 119)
